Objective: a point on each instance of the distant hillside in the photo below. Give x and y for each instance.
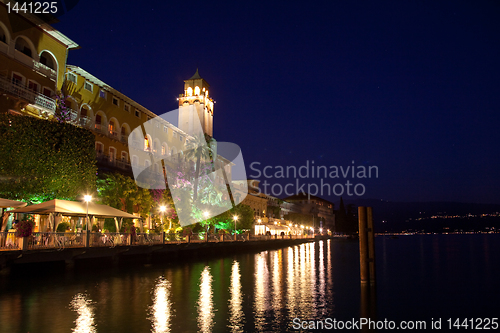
(431, 216)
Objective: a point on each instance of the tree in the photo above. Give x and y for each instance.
(121, 192)
(198, 149)
(44, 160)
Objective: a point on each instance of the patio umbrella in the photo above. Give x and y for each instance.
(5, 203)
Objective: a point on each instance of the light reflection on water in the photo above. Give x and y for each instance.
(161, 310)
(84, 323)
(263, 291)
(236, 315)
(205, 303)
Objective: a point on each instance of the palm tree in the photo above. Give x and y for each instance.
(196, 149)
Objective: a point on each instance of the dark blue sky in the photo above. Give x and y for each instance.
(411, 87)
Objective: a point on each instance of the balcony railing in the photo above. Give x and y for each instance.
(38, 100)
(35, 65)
(106, 160)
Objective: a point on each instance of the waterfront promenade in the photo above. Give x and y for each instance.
(71, 247)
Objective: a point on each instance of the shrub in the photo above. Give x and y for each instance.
(63, 226)
(24, 229)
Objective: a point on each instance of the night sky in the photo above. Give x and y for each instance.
(410, 87)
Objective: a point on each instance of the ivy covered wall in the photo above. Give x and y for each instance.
(42, 160)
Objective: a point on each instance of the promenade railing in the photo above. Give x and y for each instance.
(8, 241)
(62, 240)
(58, 240)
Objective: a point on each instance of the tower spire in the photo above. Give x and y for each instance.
(196, 75)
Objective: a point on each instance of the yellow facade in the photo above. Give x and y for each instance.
(32, 64)
(112, 117)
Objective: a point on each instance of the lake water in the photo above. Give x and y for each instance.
(422, 277)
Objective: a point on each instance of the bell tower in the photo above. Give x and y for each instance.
(195, 106)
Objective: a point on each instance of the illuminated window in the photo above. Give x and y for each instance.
(196, 90)
(111, 127)
(190, 91)
(147, 143)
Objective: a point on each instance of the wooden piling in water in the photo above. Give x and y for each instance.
(363, 245)
(371, 244)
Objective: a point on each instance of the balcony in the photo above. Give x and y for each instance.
(35, 65)
(107, 161)
(101, 128)
(36, 99)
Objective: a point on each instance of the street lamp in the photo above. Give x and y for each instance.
(162, 210)
(259, 220)
(87, 199)
(235, 218)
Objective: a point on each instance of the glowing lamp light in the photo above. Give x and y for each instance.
(163, 209)
(302, 226)
(259, 220)
(87, 198)
(235, 217)
(205, 214)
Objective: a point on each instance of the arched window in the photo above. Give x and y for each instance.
(47, 60)
(23, 47)
(112, 154)
(164, 149)
(147, 143)
(190, 91)
(196, 90)
(3, 36)
(84, 112)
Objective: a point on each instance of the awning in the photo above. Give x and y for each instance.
(74, 208)
(5, 203)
